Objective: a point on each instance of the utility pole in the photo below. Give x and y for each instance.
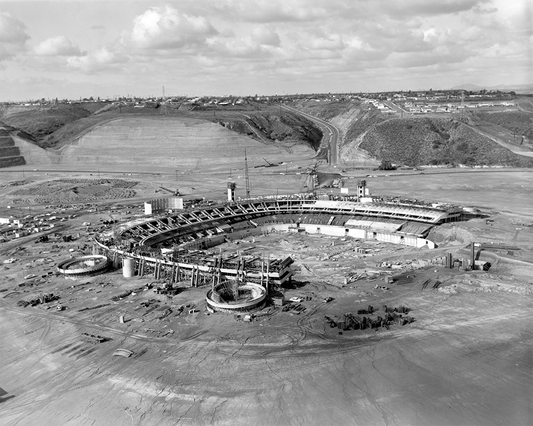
(246, 176)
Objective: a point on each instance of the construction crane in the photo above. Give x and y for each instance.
(246, 175)
(175, 192)
(269, 164)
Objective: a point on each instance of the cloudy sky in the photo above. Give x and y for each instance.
(66, 48)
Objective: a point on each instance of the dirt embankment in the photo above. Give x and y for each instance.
(57, 126)
(285, 128)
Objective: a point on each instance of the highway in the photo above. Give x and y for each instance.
(330, 139)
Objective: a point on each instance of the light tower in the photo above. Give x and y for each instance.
(163, 104)
(462, 114)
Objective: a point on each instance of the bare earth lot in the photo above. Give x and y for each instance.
(466, 360)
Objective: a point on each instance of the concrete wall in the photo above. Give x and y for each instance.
(339, 231)
(160, 205)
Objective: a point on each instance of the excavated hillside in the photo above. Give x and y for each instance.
(60, 125)
(168, 141)
(92, 133)
(284, 129)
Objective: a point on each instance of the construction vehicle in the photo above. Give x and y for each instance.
(269, 164)
(175, 192)
(477, 248)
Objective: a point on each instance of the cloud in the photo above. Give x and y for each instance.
(57, 46)
(13, 36)
(313, 44)
(431, 8)
(268, 11)
(265, 36)
(166, 28)
(98, 60)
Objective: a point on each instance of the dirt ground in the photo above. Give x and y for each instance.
(465, 360)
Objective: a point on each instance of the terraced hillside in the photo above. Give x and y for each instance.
(9, 153)
(419, 141)
(168, 141)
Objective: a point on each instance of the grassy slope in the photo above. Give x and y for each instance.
(37, 124)
(513, 126)
(417, 141)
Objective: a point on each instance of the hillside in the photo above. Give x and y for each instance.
(515, 126)
(284, 129)
(326, 110)
(76, 133)
(16, 151)
(168, 141)
(41, 122)
(61, 125)
(419, 141)
(483, 137)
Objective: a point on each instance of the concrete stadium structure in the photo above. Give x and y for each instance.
(84, 265)
(170, 246)
(255, 298)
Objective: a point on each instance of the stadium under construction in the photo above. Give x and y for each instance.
(173, 246)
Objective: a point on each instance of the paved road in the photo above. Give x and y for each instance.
(330, 139)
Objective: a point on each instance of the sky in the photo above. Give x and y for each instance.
(108, 48)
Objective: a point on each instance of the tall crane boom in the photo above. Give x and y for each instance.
(246, 176)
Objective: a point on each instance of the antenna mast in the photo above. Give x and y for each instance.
(246, 176)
